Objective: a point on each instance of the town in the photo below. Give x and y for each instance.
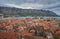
(30, 28)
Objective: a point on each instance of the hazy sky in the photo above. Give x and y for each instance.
(53, 5)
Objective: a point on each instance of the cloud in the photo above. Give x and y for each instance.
(26, 6)
(52, 6)
(38, 4)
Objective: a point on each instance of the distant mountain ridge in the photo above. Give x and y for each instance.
(26, 12)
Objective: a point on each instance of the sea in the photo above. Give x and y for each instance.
(17, 17)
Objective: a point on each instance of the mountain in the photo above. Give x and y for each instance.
(25, 12)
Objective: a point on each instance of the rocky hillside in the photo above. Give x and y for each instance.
(26, 12)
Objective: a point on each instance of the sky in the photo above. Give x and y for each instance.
(52, 5)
